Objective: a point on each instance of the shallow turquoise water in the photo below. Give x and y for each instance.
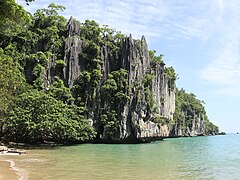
(213, 157)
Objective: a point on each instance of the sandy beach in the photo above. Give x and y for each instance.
(6, 172)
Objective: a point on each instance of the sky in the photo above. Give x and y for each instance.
(200, 39)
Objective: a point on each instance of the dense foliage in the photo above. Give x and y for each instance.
(13, 18)
(11, 85)
(29, 113)
(115, 90)
(38, 117)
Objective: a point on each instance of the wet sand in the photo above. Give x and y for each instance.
(6, 172)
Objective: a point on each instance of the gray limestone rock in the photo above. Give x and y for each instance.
(72, 50)
(135, 119)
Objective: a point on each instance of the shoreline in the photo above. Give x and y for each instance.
(22, 147)
(7, 170)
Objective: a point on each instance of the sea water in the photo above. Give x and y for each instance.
(206, 157)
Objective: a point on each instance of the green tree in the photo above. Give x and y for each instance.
(171, 75)
(49, 27)
(59, 91)
(13, 19)
(112, 39)
(110, 123)
(38, 117)
(155, 59)
(11, 85)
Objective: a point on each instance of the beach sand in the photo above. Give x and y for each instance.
(6, 173)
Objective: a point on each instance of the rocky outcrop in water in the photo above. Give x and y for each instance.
(4, 150)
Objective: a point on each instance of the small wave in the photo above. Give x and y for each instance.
(22, 174)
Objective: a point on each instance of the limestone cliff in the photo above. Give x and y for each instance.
(141, 106)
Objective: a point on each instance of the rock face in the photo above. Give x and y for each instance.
(73, 47)
(136, 114)
(149, 108)
(196, 128)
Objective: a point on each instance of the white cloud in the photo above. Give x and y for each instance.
(224, 67)
(166, 19)
(229, 91)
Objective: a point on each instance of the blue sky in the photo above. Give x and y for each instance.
(200, 39)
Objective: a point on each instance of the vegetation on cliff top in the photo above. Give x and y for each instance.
(30, 112)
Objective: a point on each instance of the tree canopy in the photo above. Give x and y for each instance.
(38, 117)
